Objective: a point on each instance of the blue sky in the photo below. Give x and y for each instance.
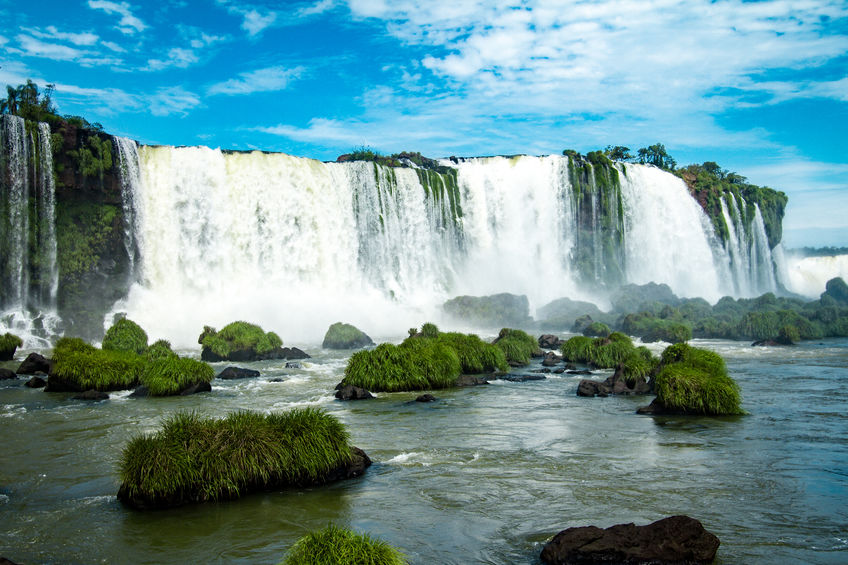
(759, 87)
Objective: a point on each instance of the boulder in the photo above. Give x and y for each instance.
(551, 359)
(294, 353)
(140, 392)
(35, 363)
(591, 388)
(522, 378)
(550, 341)
(345, 336)
(195, 388)
(36, 382)
(656, 408)
(579, 372)
(767, 343)
(470, 380)
(7, 374)
(358, 463)
(350, 392)
(678, 540)
(237, 373)
(92, 394)
(426, 398)
(616, 384)
(293, 365)
(275, 380)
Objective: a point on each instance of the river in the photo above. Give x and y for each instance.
(483, 475)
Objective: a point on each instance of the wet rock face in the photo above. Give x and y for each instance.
(678, 540)
(350, 392)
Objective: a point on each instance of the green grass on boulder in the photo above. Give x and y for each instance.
(418, 364)
(170, 375)
(196, 459)
(695, 381)
(8, 344)
(239, 336)
(81, 369)
(340, 546)
(125, 335)
(596, 329)
(475, 355)
(518, 345)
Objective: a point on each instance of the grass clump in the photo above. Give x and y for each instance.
(125, 335)
(518, 345)
(239, 336)
(161, 349)
(79, 368)
(8, 344)
(475, 355)
(429, 330)
(417, 364)
(695, 381)
(170, 375)
(195, 459)
(602, 352)
(596, 329)
(340, 546)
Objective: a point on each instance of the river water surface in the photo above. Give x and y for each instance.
(484, 475)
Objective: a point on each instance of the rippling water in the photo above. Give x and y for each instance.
(483, 475)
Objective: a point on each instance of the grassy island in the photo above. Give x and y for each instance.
(8, 344)
(196, 459)
(340, 546)
(239, 341)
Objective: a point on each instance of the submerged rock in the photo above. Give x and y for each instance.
(350, 392)
(616, 384)
(522, 378)
(92, 394)
(549, 341)
(678, 540)
(36, 382)
(7, 374)
(293, 365)
(426, 398)
(195, 388)
(470, 380)
(551, 359)
(35, 363)
(237, 373)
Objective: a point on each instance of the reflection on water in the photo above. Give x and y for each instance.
(482, 475)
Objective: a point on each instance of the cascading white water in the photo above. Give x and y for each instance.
(28, 265)
(668, 235)
(130, 176)
(295, 244)
(808, 275)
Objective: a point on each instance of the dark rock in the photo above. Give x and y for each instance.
(350, 392)
(656, 408)
(195, 388)
(579, 372)
(92, 394)
(356, 468)
(677, 540)
(591, 388)
(35, 363)
(275, 380)
(582, 323)
(470, 380)
(426, 398)
(140, 392)
(570, 367)
(538, 354)
(552, 359)
(237, 373)
(559, 371)
(36, 382)
(4, 561)
(766, 343)
(295, 353)
(522, 378)
(549, 341)
(544, 371)
(293, 365)
(7, 374)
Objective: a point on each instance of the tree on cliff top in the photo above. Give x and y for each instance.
(29, 103)
(656, 155)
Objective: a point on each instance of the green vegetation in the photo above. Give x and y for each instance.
(653, 328)
(170, 375)
(125, 335)
(517, 345)
(29, 103)
(239, 336)
(340, 546)
(345, 336)
(429, 330)
(98, 369)
(490, 311)
(475, 355)
(8, 344)
(695, 381)
(609, 353)
(195, 459)
(417, 364)
(94, 157)
(161, 349)
(657, 156)
(596, 329)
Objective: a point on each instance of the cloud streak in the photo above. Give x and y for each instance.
(261, 80)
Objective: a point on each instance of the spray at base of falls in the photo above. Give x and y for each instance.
(296, 244)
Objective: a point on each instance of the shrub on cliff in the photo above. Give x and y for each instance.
(237, 340)
(125, 335)
(695, 381)
(518, 345)
(340, 546)
(345, 336)
(170, 375)
(8, 344)
(195, 459)
(418, 364)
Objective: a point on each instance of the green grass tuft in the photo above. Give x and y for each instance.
(85, 369)
(238, 336)
(475, 355)
(125, 335)
(596, 329)
(161, 349)
(339, 546)
(8, 344)
(603, 352)
(418, 364)
(194, 459)
(695, 381)
(429, 330)
(170, 375)
(518, 345)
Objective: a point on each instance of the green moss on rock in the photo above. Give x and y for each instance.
(239, 341)
(345, 336)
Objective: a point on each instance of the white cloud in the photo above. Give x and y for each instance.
(177, 57)
(113, 46)
(81, 39)
(3, 40)
(318, 8)
(37, 48)
(172, 101)
(260, 80)
(256, 22)
(129, 24)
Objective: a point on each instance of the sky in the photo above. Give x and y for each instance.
(759, 87)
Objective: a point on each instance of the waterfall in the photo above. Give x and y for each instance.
(130, 177)
(295, 244)
(808, 275)
(28, 263)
